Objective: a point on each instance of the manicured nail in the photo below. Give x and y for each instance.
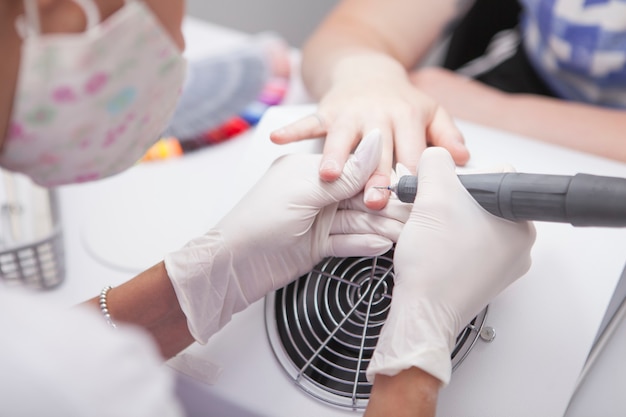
(329, 165)
(459, 145)
(374, 194)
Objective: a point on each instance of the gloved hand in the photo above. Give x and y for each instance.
(451, 259)
(280, 230)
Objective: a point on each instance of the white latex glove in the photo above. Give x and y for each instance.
(280, 230)
(451, 260)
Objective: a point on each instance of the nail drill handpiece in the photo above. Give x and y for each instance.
(581, 199)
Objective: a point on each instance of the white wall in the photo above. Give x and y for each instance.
(292, 19)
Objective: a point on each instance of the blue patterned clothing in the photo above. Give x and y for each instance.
(579, 48)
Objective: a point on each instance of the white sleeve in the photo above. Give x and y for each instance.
(71, 363)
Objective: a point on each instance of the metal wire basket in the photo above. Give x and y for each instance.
(31, 241)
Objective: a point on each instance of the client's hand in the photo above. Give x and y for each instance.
(374, 91)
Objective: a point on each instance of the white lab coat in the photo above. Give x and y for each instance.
(69, 362)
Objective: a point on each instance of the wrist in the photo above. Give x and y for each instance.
(147, 301)
(417, 333)
(412, 392)
(368, 65)
(205, 284)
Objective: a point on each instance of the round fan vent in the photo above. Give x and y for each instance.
(323, 327)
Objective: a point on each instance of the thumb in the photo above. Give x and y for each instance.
(357, 170)
(436, 173)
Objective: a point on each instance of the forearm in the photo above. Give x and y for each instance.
(401, 31)
(412, 392)
(579, 126)
(586, 128)
(149, 301)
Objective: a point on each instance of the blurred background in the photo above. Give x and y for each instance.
(294, 20)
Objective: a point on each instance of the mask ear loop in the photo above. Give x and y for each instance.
(91, 11)
(28, 24)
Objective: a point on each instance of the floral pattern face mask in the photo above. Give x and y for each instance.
(88, 105)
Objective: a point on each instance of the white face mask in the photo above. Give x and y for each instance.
(88, 105)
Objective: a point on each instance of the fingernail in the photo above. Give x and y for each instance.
(374, 194)
(459, 145)
(329, 165)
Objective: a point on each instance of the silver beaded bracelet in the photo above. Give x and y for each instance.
(103, 306)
